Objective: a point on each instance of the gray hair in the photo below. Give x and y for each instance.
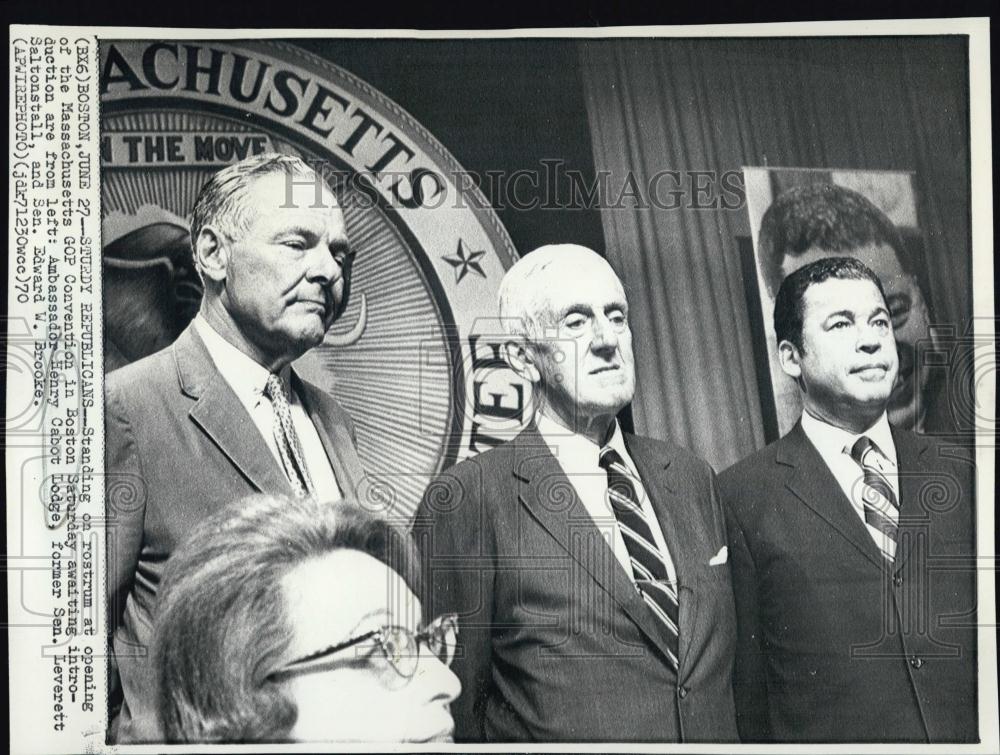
(521, 295)
(222, 200)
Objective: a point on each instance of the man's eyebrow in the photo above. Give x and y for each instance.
(583, 309)
(291, 230)
(851, 315)
(848, 313)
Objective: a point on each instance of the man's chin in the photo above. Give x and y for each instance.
(870, 398)
(300, 342)
(606, 406)
(310, 332)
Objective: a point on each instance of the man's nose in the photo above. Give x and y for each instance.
(322, 265)
(869, 339)
(605, 334)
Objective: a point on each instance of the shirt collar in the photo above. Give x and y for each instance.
(830, 440)
(576, 450)
(245, 376)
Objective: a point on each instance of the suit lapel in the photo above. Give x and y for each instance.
(334, 435)
(812, 482)
(548, 495)
(910, 457)
(219, 413)
(654, 471)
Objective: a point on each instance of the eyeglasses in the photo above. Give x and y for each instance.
(399, 645)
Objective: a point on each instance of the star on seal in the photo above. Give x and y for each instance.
(464, 261)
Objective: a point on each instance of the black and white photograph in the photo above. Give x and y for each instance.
(602, 388)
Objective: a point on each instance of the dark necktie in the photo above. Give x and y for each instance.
(878, 498)
(289, 449)
(649, 570)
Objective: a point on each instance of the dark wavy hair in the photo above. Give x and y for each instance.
(788, 308)
(221, 623)
(827, 216)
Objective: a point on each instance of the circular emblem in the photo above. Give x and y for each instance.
(415, 357)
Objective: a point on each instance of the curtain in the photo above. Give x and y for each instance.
(711, 106)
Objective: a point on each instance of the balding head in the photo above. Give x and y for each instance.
(566, 312)
(526, 288)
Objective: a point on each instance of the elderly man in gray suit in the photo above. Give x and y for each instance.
(587, 565)
(221, 413)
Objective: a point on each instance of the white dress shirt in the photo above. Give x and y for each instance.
(834, 445)
(248, 380)
(579, 458)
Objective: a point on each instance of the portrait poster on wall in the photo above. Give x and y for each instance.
(798, 215)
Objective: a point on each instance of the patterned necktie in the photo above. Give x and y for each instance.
(286, 438)
(648, 566)
(881, 508)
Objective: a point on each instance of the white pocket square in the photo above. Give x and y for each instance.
(721, 557)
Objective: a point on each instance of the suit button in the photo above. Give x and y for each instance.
(916, 662)
(682, 692)
(898, 580)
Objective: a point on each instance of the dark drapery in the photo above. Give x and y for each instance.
(717, 105)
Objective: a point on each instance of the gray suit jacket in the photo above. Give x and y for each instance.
(180, 445)
(554, 641)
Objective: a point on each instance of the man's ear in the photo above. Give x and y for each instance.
(211, 254)
(788, 358)
(518, 354)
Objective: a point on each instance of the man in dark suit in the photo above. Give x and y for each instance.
(220, 413)
(588, 566)
(852, 542)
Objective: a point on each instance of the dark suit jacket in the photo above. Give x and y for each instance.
(835, 645)
(180, 445)
(554, 641)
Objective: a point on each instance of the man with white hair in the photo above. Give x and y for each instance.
(588, 566)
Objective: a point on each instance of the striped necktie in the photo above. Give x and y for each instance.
(289, 449)
(649, 570)
(877, 496)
